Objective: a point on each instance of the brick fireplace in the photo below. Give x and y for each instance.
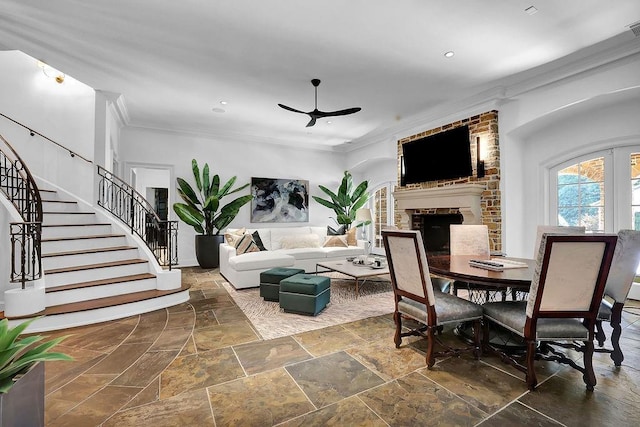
(476, 199)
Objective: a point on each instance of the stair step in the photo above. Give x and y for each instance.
(67, 213)
(60, 201)
(102, 282)
(100, 236)
(89, 251)
(75, 225)
(105, 302)
(93, 266)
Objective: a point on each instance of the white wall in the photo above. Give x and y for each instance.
(545, 127)
(62, 112)
(228, 158)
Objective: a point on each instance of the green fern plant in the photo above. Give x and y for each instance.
(200, 209)
(17, 356)
(347, 201)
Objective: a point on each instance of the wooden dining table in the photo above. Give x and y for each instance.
(456, 267)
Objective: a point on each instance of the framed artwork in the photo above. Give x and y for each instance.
(279, 200)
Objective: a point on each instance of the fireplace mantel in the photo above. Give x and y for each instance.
(465, 197)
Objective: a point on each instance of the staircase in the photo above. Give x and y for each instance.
(94, 271)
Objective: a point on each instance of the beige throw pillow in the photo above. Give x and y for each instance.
(296, 241)
(335, 242)
(232, 236)
(352, 240)
(245, 245)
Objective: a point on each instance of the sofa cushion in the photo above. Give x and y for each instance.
(342, 230)
(260, 260)
(305, 253)
(352, 239)
(233, 235)
(300, 241)
(256, 238)
(342, 252)
(278, 233)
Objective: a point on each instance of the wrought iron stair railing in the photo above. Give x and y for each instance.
(125, 203)
(19, 187)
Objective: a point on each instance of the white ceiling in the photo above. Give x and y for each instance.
(174, 61)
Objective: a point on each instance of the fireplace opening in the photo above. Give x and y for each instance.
(435, 230)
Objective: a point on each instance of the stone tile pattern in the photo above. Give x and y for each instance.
(201, 363)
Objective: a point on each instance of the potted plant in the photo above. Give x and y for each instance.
(347, 201)
(21, 376)
(202, 211)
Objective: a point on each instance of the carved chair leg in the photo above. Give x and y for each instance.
(485, 335)
(477, 351)
(430, 343)
(397, 338)
(532, 380)
(589, 376)
(616, 319)
(600, 336)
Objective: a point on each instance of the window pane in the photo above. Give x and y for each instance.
(569, 216)
(581, 195)
(635, 190)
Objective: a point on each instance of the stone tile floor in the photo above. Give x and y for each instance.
(202, 364)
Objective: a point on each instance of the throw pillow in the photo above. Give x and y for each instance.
(335, 242)
(296, 241)
(245, 245)
(258, 241)
(352, 240)
(336, 232)
(232, 236)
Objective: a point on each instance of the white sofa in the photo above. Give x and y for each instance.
(243, 271)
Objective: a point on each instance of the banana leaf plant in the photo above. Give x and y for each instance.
(200, 209)
(346, 201)
(17, 356)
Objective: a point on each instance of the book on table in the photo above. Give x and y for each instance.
(497, 264)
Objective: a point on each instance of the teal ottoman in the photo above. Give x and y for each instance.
(270, 281)
(305, 294)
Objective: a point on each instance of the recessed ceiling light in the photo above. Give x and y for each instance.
(223, 102)
(531, 10)
(328, 122)
(449, 54)
(218, 110)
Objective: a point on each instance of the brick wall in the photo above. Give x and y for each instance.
(485, 126)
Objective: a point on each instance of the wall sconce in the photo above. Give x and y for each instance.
(51, 72)
(479, 162)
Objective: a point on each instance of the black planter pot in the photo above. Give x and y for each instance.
(208, 250)
(23, 405)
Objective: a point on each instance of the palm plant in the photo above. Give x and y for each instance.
(347, 201)
(201, 209)
(17, 356)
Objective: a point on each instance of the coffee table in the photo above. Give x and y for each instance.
(350, 269)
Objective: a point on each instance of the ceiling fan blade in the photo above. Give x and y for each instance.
(291, 109)
(340, 112)
(311, 122)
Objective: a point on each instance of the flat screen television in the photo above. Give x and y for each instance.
(445, 155)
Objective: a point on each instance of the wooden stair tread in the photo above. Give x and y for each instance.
(89, 251)
(68, 213)
(110, 281)
(98, 236)
(75, 307)
(60, 201)
(99, 265)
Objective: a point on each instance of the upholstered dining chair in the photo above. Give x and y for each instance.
(623, 270)
(472, 239)
(416, 299)
(562, 306)
(555, 229)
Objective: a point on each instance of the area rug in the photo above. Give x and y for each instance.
(375, 299)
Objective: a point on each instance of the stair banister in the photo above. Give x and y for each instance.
(19, 187)
(130, 207)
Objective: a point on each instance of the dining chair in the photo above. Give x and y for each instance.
(562, 306)
(556, 229)
(416, 299)
(472, 239)
(623, 270)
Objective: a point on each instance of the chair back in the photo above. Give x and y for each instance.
(469, 240)
(408, 266)
(625, 263)
(555, 229)
(570, 275)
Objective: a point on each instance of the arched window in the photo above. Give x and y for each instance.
(381, 204)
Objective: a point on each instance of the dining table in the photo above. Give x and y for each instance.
(513, 282)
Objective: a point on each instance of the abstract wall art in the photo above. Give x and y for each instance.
(279, 200)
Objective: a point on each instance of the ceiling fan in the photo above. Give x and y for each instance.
(317, 114)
